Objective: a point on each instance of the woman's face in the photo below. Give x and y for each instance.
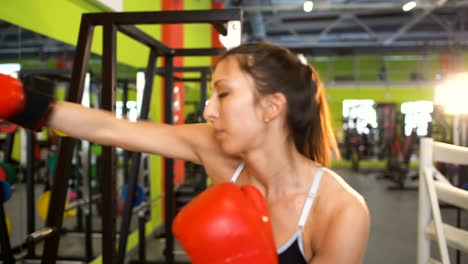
(233, 109)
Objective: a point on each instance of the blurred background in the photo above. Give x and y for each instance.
(394, 72)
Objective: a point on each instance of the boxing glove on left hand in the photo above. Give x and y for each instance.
(24, 106)
(226, 224)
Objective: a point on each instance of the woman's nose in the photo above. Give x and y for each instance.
(210, 112)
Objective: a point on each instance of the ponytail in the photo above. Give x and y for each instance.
(321, 144)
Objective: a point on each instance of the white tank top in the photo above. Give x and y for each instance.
(305, 210)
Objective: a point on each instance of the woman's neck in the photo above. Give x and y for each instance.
(276, 171)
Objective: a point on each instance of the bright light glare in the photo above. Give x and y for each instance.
(452, 94)
(308, 6)
(417, 107)
(408, 6)
(140, 86)
(359, 115)
(417, 116)
(85, 100)
(132, 113)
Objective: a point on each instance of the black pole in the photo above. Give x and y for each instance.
(142, 237)
(203, 90)
(136, 159)
(126, 153)
(88, 233)
(108, 156)
(203, 98)
(30, 198)
(8, 147)
(88, 212)
(169, 163)
(79, 193)
(65, 153)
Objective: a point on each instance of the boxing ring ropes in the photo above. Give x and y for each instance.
(112, 23)
(435, 188)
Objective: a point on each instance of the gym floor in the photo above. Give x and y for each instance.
(393, 230)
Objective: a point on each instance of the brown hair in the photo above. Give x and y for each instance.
(276, 69)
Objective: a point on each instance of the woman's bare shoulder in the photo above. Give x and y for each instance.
(345, 223)
(343, 194)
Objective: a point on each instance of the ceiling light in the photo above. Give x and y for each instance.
(308, 6)
(408, 6)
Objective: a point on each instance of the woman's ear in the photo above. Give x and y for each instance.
(274, 105)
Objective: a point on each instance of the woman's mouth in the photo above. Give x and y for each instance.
(219, 133)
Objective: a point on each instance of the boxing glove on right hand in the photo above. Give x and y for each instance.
(26, 107)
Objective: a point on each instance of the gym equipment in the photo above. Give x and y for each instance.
(397, 147)
(7, 192)
(195, 175)
(125, 22)
(359, 131)
(11, 172)
(386, 119)
(139, 193)
(398, 160)
(434, 188)
(72, 196)
(3, 174)
(7, 128)
(42, 206)
(8, 225)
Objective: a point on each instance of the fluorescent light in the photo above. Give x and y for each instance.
(140, 87)
(408, 6)
(308, 6)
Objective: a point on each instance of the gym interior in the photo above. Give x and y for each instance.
(393, 73)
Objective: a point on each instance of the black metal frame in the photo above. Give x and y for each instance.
(111, 23)
(203, 79)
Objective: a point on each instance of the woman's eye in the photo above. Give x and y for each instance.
(221, 95)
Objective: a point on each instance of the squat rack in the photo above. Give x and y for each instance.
(111, 24)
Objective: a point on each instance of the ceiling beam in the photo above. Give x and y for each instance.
(416, 19)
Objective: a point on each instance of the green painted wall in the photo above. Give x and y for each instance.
(366, 67)
(195, 36)
(60, 19)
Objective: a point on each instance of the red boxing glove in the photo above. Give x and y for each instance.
(24, 106)
(12, 96)
(226, 224)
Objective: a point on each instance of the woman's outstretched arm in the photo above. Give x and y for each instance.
(102, 127)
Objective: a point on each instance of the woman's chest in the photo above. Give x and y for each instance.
(296, 215)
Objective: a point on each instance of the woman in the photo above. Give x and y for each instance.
(268, 122)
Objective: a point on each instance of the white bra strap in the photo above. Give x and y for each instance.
(237, 172)
(310, 197)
